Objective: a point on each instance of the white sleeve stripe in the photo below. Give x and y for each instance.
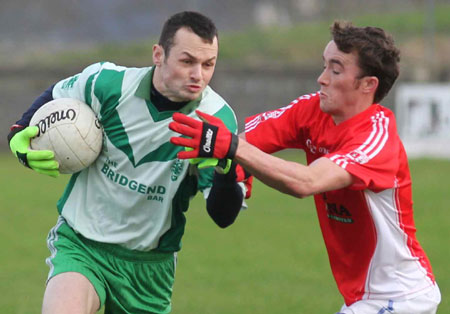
(382, 133)
(252, 124)
(383, 141)
(332, 158)
(377, 132)
(340, 160)
(374, 134)
(249, 129)
(274, 114)
(253, 121)
(371, 136)
(377, 139)
(380, 125)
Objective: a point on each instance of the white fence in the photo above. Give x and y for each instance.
(423, 118)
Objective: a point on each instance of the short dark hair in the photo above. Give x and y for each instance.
(377, 54)
(196, 22)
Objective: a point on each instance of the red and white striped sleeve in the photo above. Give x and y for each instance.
(274, 130)
(373, 154)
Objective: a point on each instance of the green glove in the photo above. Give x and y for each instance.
(222, 166)
(41, 161)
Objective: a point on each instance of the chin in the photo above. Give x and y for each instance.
(191, 97)
(185, 97)
(323, 106)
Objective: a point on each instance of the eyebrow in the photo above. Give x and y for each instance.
(193, 57)
(336, 61)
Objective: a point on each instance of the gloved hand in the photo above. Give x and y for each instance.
(41, 161)
(244, 176)
(209, 138)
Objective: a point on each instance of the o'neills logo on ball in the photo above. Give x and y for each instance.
(207, 145)
(54, 117)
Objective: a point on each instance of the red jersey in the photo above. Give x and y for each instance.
(368, 227)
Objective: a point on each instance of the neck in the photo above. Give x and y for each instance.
(157, 81)
(351, 111)
(160, 101)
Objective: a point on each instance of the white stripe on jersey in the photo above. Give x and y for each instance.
(371, 147)
(400, 272)
(383, 134)
(252, 124)
(274, 114)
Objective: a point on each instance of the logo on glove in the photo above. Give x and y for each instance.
(207, 145)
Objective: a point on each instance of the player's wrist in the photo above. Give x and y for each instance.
(21, 138)
(234, 142)
(16, 128)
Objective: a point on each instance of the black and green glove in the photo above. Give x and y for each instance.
(221, 166)
(41, 161)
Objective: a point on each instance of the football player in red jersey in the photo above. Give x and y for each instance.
(357, 171)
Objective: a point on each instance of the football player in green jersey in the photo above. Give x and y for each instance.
(121, 219)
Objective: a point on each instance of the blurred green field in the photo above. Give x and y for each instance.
(272, 260)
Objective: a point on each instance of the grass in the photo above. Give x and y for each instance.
(272, 260)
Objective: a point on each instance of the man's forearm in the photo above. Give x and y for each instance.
(285, 176)
(290, 177)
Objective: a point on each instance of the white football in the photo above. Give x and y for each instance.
(70, 129)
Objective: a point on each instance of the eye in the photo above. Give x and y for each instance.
(186, 61)
(336, 70)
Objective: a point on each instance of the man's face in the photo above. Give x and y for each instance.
(188, 69)
(339, 82)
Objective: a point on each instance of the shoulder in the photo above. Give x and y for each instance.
(383, 117)
(110, 76)
(111, 70)
(385, 111)
(304, 108)
(305, 103)
(308, 99)
(308, 103)
(212, 103)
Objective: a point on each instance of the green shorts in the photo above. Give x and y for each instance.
(126, 281)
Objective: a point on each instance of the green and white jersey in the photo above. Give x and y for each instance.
(137, 191)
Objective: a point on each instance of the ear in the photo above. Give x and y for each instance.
(369, 84)
(158, 55)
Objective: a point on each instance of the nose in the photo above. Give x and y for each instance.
(196, 73)
(322, 79)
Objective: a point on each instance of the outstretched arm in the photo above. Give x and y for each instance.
(291, 177)
(286, 176)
